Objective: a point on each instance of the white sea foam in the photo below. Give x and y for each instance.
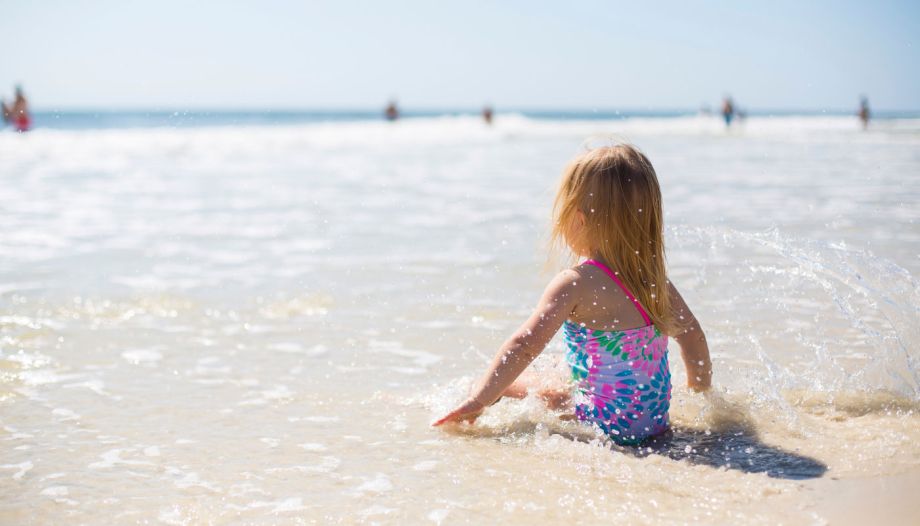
(325, 464)
(112, 458)
(425, 465)
(183, 479)
(284, 505)
(142, 356)
(20, 469)
(379, 483)
(63, 414)
(55, 491)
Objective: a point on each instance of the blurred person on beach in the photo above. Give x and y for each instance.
(617, 309)
(487, 114)
(863, 112)
(728, 110)
(18, 112)
(391, 113)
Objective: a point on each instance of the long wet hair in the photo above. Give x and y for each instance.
(616, 189)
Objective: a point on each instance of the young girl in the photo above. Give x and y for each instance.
(617, 307)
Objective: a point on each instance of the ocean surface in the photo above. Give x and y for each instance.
(225, 318)
(162, 118)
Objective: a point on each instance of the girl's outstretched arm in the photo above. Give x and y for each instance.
(693, 347)
(558, 301)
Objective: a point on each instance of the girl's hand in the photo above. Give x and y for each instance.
(468, 411)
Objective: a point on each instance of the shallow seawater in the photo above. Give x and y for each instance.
(256, 325)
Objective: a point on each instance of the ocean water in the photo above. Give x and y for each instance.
(223, 324)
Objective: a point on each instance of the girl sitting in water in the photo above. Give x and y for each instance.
(617, 306)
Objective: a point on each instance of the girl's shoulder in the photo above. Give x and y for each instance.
(576, 277)
(566, 280)
(600, 302)
(589, 274)
(575, 282)
(566, 286)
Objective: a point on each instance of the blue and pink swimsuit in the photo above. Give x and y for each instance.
(622, 381)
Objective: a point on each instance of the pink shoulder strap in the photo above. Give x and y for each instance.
(616, 280)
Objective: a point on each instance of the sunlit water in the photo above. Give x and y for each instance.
(256, 325)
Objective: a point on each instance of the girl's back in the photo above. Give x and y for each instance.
(618, 359)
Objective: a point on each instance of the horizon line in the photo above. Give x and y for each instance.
(444, 109)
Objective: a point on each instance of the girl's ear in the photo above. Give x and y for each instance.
(580, 219)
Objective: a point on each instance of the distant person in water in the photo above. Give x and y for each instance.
(728, 110)
(392, 112)
(863, 112)
(18, 113)
(487, 114)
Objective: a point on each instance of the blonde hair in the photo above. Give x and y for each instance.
(616, 189)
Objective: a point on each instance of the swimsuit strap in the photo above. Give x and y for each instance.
(616, 280)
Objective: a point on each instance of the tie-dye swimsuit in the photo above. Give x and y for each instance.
(622, 381)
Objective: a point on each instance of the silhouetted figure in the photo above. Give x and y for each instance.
(18, 113)
(863, 112)
(728, 110)
(487, 114)
(392, 112)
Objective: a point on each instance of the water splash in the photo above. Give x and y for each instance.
(815, 315)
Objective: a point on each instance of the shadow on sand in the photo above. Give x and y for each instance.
(738, 449)
(735, 446)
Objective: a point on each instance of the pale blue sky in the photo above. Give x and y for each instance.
(429, 54)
